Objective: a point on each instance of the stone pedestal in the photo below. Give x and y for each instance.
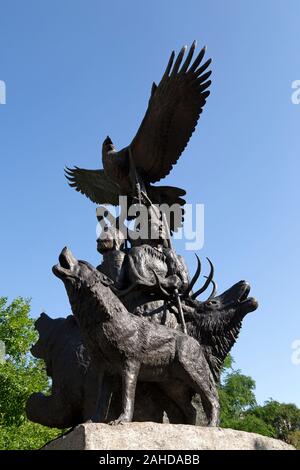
(154, 436)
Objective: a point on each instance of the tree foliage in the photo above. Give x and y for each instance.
(20, 375)
(294, 439)
(283, 417)
(239, 409)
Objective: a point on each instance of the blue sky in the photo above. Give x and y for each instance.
(77, 70)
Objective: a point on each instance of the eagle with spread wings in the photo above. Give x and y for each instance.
(173, 111)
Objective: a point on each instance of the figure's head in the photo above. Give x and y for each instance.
(149, 228)
(111, 238)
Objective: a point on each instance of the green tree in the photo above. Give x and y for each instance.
(236, 393)
(283, 417)
(294, 439)
(250, 423)
(20, 375)
(239, 409)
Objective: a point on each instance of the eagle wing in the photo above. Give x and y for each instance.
(94, 184)
(173, 112)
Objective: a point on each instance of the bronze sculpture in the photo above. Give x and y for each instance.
(138, 327)
(215, 324)
(173, 111)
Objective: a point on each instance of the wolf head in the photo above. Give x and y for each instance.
(76, 274)
(87, 288)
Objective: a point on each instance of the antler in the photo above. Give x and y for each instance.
(165, 294)
(209, 279)
(143, 282)
(162, 290)
(194, 279)
(207, 282)
(214, 291)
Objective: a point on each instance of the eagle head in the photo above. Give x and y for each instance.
(108, 146)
